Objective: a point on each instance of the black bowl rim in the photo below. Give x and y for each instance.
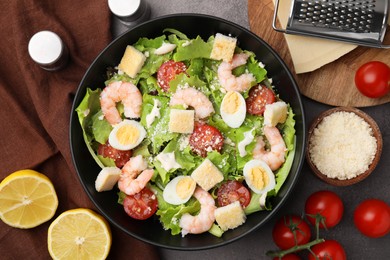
(304, 133)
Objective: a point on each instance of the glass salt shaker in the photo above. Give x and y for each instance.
(127, 14)
(48, 50)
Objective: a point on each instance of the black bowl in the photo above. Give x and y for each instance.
(151, 230)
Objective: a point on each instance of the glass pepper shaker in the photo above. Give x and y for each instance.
(48, 50)
(127, 14)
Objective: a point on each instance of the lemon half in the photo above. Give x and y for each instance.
(79, 234)
(27, 199)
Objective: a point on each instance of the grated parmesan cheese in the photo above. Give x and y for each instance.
(342, 146)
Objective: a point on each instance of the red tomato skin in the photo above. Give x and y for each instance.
(120, 157)
(283, 235)
(205, 138)
(372, 79)
(168, 71)
(372, 218)
(141, 205)
(258, 97)
(326, 203)
(232, 191)
(329, 249)
(288, 257)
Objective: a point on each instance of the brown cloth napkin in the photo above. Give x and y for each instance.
(35, 107)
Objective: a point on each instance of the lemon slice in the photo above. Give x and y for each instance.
(79, 234)
(27, 199)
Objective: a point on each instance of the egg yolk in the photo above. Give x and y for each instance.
(127, 134)
(259, 177)
(231, 102)
(184, 187)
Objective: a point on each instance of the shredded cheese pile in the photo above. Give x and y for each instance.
(342, 146)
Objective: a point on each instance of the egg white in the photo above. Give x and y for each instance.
(259, 164)
(234, 120)
(117, 144)
(170, 194)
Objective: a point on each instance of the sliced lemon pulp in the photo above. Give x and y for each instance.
(27, 199)
(79, 234)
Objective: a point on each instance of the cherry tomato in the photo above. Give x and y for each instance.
(372, 79)
(120, 157)
(288, 257)
(326, 203)
(205, 138)
(141, 205)
(372, 218)
(329, 249)
(168, 71)
(232, 191)
(284, 229)
(259, 97)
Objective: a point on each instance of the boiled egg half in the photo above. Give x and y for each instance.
(233, 109)
(259, 176)
(126, 135)
(179, 190)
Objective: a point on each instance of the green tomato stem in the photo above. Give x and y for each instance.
(294, 249)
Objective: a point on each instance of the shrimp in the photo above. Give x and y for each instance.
(129, 182)
(193, 98)
(274, 158)
(204, 220)
(128, 94)
(230, 82)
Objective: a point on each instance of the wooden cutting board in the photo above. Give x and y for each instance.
(332, 84)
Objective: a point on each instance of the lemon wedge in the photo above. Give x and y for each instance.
(27, 199)
(79, 234)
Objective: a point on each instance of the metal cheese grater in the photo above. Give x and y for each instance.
(361, 22)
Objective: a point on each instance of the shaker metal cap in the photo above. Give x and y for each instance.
(45, 47)
(124, 8)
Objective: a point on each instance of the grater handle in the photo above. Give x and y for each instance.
(274, 26)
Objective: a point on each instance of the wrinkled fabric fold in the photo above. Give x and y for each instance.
(36, 106)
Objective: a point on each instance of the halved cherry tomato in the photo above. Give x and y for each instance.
(372, 218)
(205, 138)
(168, 71)
(141, 205)
(326, 203)
(284, 229)
(329, 249)
(259, 97)
(372, 79)
(232, 191)
(120, 157)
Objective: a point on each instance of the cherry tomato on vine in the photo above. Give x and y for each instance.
(284, 229)
(329, 249)
(372, 218)
(326, 203)
(288, 257)
(372, 79)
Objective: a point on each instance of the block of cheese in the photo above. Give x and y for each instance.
(132, 61)
(309, 53)
(275, 113)
(107, 178)
(207, 175)
(181, 121)
(230, 216)
(223, 47)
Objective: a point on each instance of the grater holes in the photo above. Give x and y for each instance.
(348, 15)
